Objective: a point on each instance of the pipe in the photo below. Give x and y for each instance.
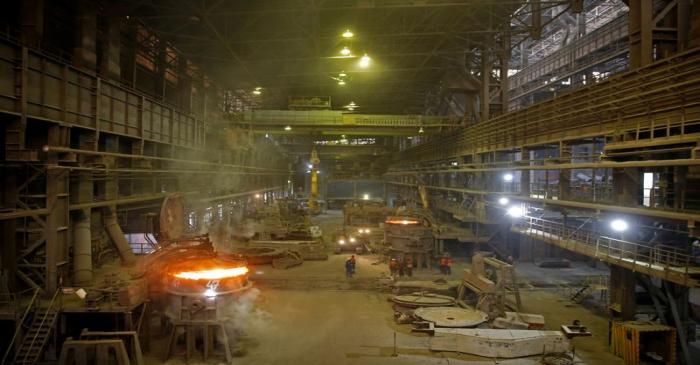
(82, 249)
(117, 235)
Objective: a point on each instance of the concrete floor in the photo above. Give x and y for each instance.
(313, 314)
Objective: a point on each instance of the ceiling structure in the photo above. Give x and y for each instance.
(291, 47)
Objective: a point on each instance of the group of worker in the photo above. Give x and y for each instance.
(405, 266)
(402, 267)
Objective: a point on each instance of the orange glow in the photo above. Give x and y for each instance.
(212, 274)
(405, 222)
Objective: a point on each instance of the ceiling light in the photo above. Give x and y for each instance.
(365, 196)
(352, 103)
(257, 92)
(516, 211)
(503, 201)
(288, 128)
(619, 225)
(421, 130)
(508, 177)
(364, 61)
(348, 34)
(342, 74)
(345, 51)
(341, 82)
(350, 108)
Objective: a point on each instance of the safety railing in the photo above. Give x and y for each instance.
(567, 56)
(591, 243)
(20, 325)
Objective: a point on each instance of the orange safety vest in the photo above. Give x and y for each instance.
(443, 261)
(448, 261)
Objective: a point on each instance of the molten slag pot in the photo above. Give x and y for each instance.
(202, 288)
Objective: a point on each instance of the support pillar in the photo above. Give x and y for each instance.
(564, 175)
(640, 32)
(32, 18)
(504, 63)
(85, 50)
(525, 174)
(486, 68)
(622, 293)
(110, 66)
(626, 186)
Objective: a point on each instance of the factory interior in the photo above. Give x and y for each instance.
(350, 182)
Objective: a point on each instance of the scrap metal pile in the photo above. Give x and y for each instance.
(481, 323)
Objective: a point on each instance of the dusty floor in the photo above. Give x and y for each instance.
(313, 314)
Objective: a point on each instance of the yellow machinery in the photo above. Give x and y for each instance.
(313, 191)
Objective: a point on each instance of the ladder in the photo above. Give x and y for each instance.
(32, 346)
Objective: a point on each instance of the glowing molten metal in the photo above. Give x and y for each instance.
(401, 221)
(212, 274)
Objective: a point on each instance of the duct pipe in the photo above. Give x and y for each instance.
(117, 235)
(82, 249)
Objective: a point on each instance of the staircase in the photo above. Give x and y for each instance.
(36, 338)
(580, 295)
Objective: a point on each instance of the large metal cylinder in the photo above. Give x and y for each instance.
(82, 249)
(117, 235)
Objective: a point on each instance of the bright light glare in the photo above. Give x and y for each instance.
(257, 92)
(619, 225)
(345, 51)
(365, 197)
(508, 177)
(209, 293)
(367, 230)
(352, 239)
(342, 74)
(348, 34)
(420, 130)
(503, 201)
(352, 103)
(257, 196)
(516, 211)
(288, 128)
(364, 61)
(341, 82)
(342, 242)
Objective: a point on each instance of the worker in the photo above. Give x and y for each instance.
(393, 267)
(448, 264)
(353, 261)
(348, 268)
(402, 267)
(409, 266)
(443, 264)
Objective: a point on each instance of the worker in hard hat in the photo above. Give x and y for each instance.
(393, 267)
(409, 266)
(353, 261)
(448, 264)
(348, 268)
(443, 264)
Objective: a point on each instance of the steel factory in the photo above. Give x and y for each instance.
(361, 182)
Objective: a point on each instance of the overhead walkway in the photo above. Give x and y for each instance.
(665, 262)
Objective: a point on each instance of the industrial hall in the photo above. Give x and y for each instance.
(350, 182)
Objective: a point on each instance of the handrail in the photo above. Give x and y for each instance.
(41, 325)
(618, 249)
(19, 326)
